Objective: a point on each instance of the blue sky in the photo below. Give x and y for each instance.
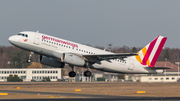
(95, 22)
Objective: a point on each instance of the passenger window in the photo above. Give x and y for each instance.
(22, 34)
(19, 34)
(26, 35)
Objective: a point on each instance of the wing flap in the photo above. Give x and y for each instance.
(94, 57)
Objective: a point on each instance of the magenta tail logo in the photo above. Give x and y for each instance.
(149, 54)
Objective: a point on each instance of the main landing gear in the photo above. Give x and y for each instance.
(87, 73)
(72, 73)
(30, 55)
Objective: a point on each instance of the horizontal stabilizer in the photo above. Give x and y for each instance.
(158, 67)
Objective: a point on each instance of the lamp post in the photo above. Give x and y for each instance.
(178, 67)
(165, 65)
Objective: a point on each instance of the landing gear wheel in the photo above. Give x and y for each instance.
(72, 74)
(87, 73)
(30, 55)
(28, 61)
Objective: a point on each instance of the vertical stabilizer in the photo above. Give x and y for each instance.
(150, 53)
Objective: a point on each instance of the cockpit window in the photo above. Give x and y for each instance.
(24, 35)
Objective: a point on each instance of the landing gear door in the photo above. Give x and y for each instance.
(131, 64)
(36, 38)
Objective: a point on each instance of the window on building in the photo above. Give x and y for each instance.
(173, 78)
(156, 78)
(42, 71)
(161, 78)
(19, 72)
(24, 72)
(53, 71)
(45, 71)
(53, 77)
(56, 71)
(167, 78)
(10, 71)
(150, 78)
(4, 72)
(15, 71)
(37, 71)
(48, 71)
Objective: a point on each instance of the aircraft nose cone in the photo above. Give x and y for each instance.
(10, 39)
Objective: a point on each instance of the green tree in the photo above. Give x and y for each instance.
(46, 79)
(134, 50)
(14, 78)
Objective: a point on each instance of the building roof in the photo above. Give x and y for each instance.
(167, 64)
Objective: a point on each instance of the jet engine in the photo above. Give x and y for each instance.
(72, 59)
(51, 62)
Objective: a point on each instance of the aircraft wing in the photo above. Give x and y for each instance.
(95, 57)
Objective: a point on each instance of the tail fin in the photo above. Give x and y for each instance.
(150, 53)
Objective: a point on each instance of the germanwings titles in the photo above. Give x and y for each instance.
(56, 52)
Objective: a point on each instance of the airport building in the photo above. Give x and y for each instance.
(169, 75)
(28, 74)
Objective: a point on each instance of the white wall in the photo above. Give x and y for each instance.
(53, 73)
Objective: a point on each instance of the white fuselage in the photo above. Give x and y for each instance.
(49, 46)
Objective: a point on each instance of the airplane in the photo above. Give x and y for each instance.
(56, 52)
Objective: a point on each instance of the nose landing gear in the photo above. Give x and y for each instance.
(30, 55)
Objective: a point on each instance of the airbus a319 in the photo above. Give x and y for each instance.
(56, 52)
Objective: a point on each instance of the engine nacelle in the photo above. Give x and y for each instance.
(51, 62)
(72, 59)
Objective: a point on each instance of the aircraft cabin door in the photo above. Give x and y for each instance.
(36, 38)
(131, 64)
